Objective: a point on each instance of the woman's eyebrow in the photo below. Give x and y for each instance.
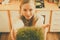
(25, 9)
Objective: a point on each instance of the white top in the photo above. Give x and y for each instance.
(20, 24)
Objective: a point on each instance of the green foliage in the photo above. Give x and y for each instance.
(30, 33)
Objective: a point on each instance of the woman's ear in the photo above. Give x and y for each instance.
(20, 11)
(35, 11)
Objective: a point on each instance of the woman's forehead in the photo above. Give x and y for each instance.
(28, 5)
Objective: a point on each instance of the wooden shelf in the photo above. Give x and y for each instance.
(15, 6)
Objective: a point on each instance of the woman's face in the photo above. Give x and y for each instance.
(28, 10)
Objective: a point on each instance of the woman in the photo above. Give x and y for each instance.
(28, 16)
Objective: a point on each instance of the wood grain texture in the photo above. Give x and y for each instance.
(53, 36)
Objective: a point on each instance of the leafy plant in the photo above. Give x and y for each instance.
(30, 33)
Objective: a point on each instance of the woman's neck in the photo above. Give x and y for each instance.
(27, 22)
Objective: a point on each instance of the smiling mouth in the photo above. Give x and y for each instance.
(27, 16)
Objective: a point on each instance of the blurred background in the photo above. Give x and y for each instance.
(49, 9)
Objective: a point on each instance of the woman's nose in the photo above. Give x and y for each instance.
(28, 13)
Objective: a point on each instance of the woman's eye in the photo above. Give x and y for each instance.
(25, 10)
(30, 9)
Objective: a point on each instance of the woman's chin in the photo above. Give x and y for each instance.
(28, 18)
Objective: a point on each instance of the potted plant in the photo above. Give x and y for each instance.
(30, 33)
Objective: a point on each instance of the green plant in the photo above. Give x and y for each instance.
(30, 33)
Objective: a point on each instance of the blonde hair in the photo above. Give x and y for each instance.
(26, 1)
(22, 2)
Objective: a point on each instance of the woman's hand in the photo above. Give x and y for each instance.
(46, 25)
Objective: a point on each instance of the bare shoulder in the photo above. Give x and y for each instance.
(18, 24)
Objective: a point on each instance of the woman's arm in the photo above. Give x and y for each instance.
(13, 34)
(40, 21)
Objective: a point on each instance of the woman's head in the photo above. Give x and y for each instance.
(27, 8)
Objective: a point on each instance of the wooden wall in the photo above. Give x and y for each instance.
(4, 36)
(53, 36)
